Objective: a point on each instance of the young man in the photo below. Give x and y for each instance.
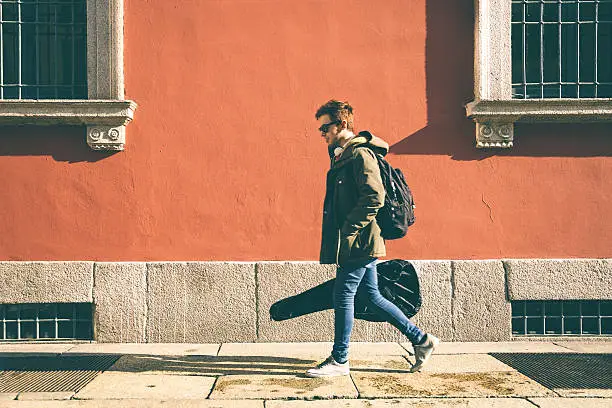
(351, 237)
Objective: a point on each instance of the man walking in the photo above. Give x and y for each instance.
(351, 237)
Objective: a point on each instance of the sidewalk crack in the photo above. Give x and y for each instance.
(355, 385)
(410, 352)
(565, 347)
(68, 350)
(529, 400)
(212, 388)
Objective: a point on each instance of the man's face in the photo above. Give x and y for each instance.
(329, 129)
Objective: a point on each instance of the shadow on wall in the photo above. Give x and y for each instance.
(63, 143)
(449, 72)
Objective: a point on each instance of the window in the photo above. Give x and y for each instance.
(43, 49)
(562, 49)
(562, 317)
(62, 63)
(46, 321)
(540, 60)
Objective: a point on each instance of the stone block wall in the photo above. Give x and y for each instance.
(211, 302)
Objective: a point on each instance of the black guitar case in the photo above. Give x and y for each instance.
(398, 282)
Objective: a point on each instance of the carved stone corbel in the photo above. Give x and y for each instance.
(494, 134)
(106, 137)
(494, 126)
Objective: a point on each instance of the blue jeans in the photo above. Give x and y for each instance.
(360, 278)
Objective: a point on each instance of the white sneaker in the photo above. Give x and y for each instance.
(329, 368)
(423, 351)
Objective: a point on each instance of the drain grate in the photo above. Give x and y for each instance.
(563, 370)
(51, 374)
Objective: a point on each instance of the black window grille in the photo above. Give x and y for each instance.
(561, 49)
(39, 321)
(562, 317)
(44, 49)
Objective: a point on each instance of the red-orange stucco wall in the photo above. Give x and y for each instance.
(223, 160)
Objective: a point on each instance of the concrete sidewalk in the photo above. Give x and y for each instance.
(499, 375)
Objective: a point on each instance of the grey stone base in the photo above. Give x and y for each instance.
(213, 302)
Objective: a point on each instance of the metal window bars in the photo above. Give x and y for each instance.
(562, 317)
(44, 49)
(39, 321)
(561, 49)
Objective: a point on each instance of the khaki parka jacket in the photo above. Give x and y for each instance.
(354, 194)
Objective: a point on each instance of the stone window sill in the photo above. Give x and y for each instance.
(105, 119)
(495, 118)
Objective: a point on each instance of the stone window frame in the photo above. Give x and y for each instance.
(106, 112)
(493, 108)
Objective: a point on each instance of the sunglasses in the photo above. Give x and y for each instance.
(325, 128)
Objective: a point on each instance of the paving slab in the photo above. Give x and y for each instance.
(318, 350)
(362, 349)
(452, 402)
(459, 385)
(572, 402)
(560, 338)
(380, 364)
(7, 396)
(212, 365)
(584, 392)
(161, 349)
(145, 364)
(464, 363)
(282, 386)
(495, 347)
(45, 396)
(407, 403)
(17, 350)
(460, 363)
(134, 403)
(599, 347)
(122, 385)
(332, 403)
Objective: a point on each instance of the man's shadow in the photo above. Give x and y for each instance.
(449, 59)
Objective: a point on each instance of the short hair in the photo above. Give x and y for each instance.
(337, 111)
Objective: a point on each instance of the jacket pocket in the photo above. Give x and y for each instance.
(362, 240)
(346, 248)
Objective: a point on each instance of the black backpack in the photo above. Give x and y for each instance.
(397, 214)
